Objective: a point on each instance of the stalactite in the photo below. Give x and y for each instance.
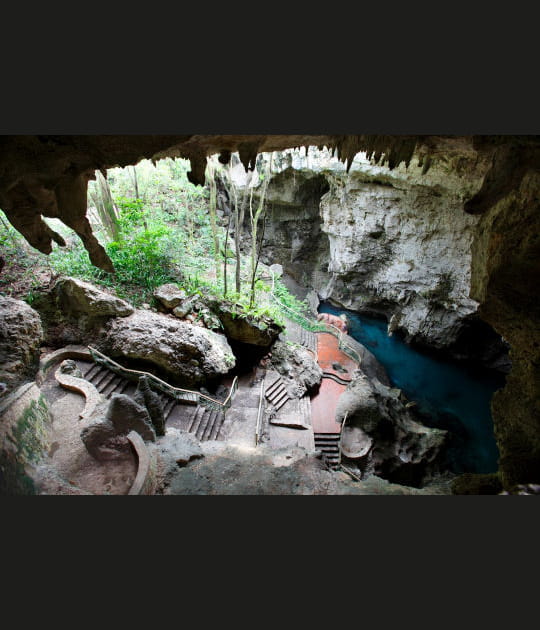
(248, 152)
(224, 156)
(427, 164)
(198, 168)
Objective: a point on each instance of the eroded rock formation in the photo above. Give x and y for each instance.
(105, 435)
(190, 355)
(300, 371)
(48, 175)
(383, 437)
(21, 334)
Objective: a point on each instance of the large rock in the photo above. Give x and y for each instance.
(189, 355)
(76, 297)
(126, 415)
(100, 439)
(25, 427)
(105, 436)
(169, 295)
(21, 334)
(144, 395)
(382, 435)
(300, 371)
(245, 328)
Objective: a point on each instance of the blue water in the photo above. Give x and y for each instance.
(450, 396)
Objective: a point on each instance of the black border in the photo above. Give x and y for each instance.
(383, 77)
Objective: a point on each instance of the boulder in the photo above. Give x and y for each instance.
(98, 438)
(76, 298)
(189, 355)
(239, 326)
(169, 295)
(145, 396)
(126, 415)
(300, 371)
(185, 307)
(105, 437)
(383, 436)
(21, 334)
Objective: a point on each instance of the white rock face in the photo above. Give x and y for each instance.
(407, 247)
(396, 242)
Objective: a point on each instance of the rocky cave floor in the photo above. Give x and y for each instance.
(229, 466)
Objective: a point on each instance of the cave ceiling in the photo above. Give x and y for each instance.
(47, 175)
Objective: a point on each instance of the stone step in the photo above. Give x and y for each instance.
(181, 416)
(275, 386)
(168, 407)
(100, 377)
(277, 396)
(217, 426)
(114, 384)
(105, 382)
(212, 421)
(328, 444)
(208, 424)
(197, 419)
(92, 371)
(94, 376)
(201, 427)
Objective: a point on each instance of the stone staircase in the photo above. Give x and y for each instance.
(297, 334)
(205, 423)
(328, 443)
(276, 393)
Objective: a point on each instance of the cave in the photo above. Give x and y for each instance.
(480, 193)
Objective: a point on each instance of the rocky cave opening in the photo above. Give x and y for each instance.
(435, 236)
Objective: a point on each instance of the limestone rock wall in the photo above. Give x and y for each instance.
(506, 280)
(393, 242)
(25, 426)
(21, 334)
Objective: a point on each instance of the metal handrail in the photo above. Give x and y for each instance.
(341, 434)
(321, 327)
(176, 392)
(258, 427)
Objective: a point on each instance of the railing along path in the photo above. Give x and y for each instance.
(178, 393)
(318, 327)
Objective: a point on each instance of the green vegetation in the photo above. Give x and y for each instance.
(157, 228)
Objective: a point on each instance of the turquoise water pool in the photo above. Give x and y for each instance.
(452, 396)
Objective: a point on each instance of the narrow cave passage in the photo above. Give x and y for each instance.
(454, 396)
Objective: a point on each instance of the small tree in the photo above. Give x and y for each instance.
(256, 244)
(102, 199)
(211, 179)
